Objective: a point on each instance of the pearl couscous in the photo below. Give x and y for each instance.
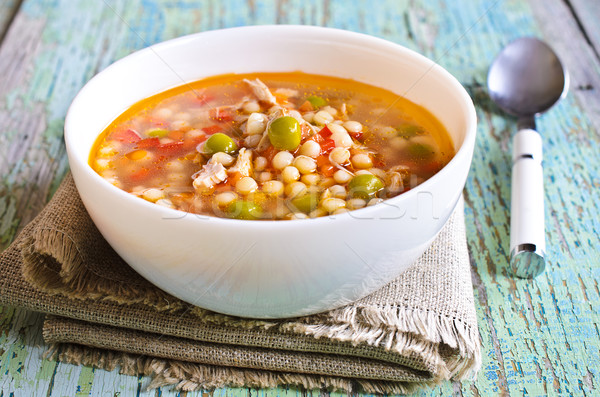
(271, 146)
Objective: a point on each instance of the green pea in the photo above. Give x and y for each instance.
(409, 130)
(157, 133)
(316, 101)
(242, 209)
(365, 186)
(285, 133)
(305, 203)
(421, 151)
(220, 142)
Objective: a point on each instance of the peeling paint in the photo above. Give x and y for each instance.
(539, 336)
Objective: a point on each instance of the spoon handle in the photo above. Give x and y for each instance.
(527, 236)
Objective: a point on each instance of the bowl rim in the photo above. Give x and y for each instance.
(465, 148)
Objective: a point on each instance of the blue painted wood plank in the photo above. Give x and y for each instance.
(8, 8)
(540, 337)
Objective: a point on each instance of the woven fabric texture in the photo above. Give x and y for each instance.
(419, 329)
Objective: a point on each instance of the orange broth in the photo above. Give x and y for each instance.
(367, 145)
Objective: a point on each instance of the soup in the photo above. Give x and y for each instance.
(271, 146)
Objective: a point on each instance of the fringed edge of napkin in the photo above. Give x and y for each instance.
(186, 376)
(402, 330)
(68, 272)
(406, 331)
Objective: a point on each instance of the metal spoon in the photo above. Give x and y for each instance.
(526, 79)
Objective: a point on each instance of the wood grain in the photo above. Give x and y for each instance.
(585, 13)
(8, 9)
(540, 337)
(563, 31)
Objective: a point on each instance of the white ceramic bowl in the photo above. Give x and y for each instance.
(270, 269)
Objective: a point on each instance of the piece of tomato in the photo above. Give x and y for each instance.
(126, 135)
(140, 175)
(306, 107)
(317, 138)
(269, 153)
(431, 167)
(232, 179)
(221, 114)
(155, 122)
(148, 143)
(322, 159)
(325, 132)
(305, 132)
(378, 161)
(176, 135)
(356, 135)
(325, 166)
(327, 170)
(212, 129)
(170, 149)
(327, 146)
(191, 143)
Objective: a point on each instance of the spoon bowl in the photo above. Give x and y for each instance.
(527, 78)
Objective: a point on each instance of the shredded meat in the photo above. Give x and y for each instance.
(211, 174)
(395, 182)
(261, 91)
(243, 165)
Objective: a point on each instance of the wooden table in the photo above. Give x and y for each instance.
(539, 337)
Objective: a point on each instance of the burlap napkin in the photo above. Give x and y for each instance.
(418, 330)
